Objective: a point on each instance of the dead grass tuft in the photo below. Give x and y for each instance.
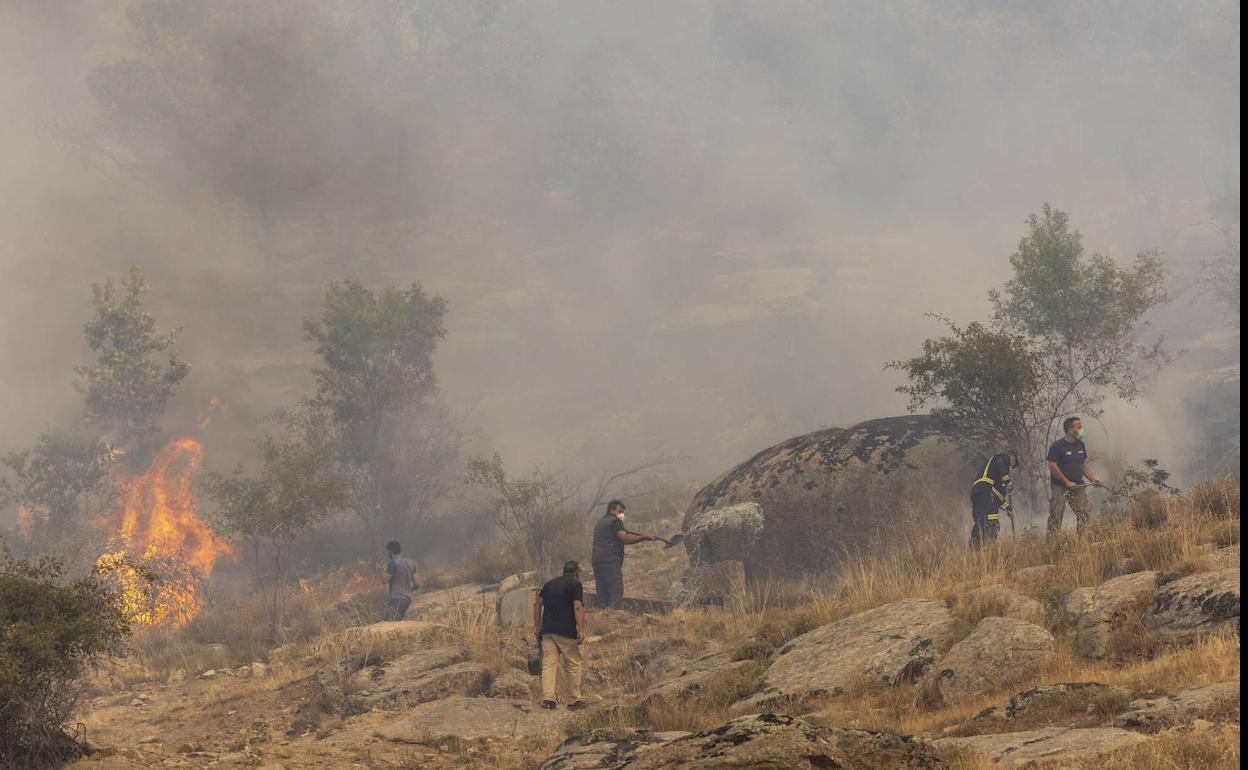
(1217, 498)
(1187, 748)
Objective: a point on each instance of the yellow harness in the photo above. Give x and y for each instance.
(995, 514)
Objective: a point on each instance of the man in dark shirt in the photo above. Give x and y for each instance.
(402, 581)
(1068, 465)
(559, 623)
(989, 496)
(607, 557)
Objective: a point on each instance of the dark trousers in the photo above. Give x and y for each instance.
(609, 582)
(983, 505)
(396, 608)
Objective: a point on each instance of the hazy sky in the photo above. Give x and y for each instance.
(698, 227)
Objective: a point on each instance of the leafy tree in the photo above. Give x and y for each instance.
(376, 383)
(59, 483)
(127, 390)
(1084, 314)
(50, 631)
(1065, 334)
(296, 488)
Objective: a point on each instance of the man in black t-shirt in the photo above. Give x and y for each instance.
(559, 623)
(1068, 465)
(607, 556)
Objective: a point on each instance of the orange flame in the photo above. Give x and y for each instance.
(159, 525)
(214, 408)
(25, 518)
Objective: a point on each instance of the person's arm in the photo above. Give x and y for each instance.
(629, 538)
(385, 579)
(1057, 472)
(578, 609)
(1087, 471)
(537, 614)
(415, 578)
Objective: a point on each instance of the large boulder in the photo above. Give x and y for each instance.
(1104, 607)
(1203, 603)
(823, 494)
(885, 645)
(514, 609)
(756, 742)
(998, 651)
(1051, 744)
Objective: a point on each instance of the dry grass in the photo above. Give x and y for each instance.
(1207, 748)
(904, 708)
(1210, 748)
(1217, 498)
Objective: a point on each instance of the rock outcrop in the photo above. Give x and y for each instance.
(997, 651)
(888, 644)
(1203, 603)
(473, 718)
(1214, 703)
(1105, 605)
(1035, 707)
(757, 742)
(676, 678)
(1067, 744)
(423, 675)
(828, 491)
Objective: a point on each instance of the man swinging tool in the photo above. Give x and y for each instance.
(989, 496)
(1068, 465)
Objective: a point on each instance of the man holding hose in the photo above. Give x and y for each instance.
(1068, 465)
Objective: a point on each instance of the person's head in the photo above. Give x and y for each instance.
(616, 508)
(393, 548)
(1013, 458)
(572, 569)
(1072, 427)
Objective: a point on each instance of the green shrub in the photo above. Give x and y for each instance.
(50, 630)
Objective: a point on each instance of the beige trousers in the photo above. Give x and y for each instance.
(561, 660)
(1058, 497)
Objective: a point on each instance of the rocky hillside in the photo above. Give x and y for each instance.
(1121, 650)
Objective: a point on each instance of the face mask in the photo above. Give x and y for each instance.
(1079, 435)
(620, 515)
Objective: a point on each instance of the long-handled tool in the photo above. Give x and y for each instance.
(1009, 510)
(667, 543)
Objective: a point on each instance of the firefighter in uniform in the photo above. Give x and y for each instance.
(990, 496)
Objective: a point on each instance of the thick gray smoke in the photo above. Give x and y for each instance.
(695, 227)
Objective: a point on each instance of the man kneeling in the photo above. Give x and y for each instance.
(559, 622)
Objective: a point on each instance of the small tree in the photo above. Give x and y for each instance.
(535, 515)
(376, 383)
(50, 631)
(58, 483)
(295, 489)
(127, 390)
(1065, 334)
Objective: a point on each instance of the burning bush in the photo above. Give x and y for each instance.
(49, 631)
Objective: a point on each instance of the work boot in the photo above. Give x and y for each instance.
(548, 704)
(580, 704)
